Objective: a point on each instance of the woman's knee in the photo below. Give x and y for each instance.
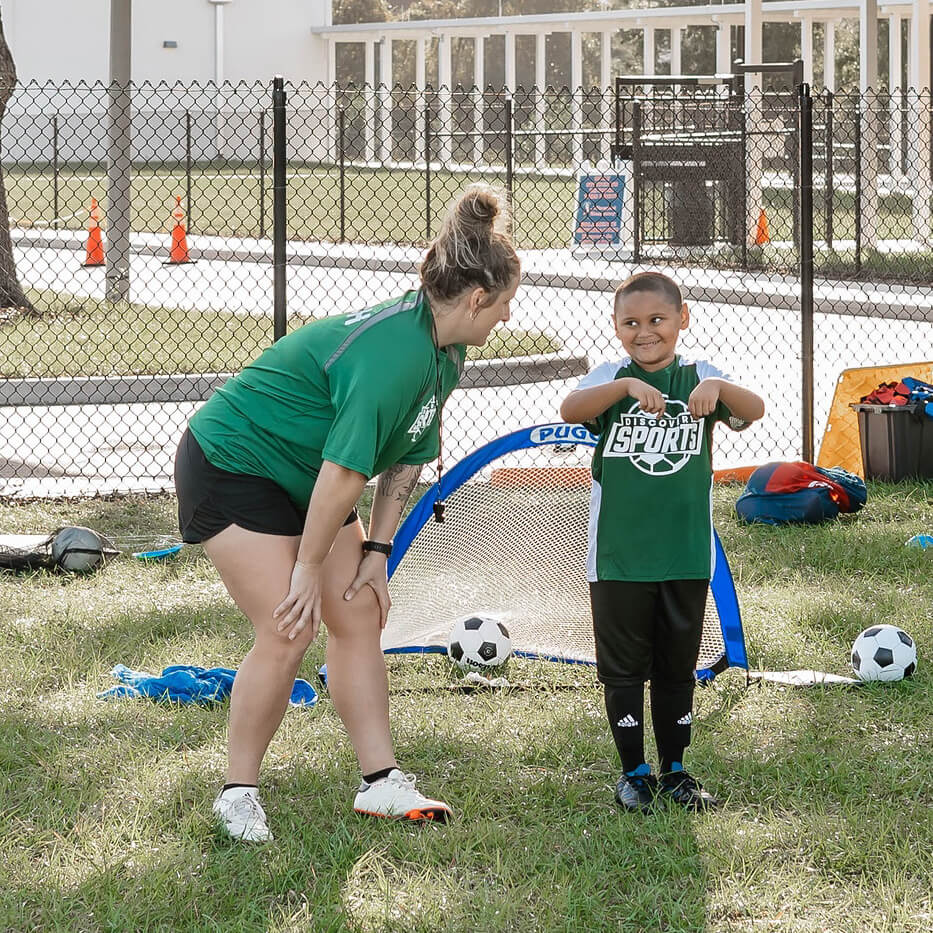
(356, 617)
(276, 647)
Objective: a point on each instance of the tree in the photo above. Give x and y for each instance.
(11, 292)
(350, 60)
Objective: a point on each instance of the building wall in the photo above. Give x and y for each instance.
(68, 40)
(58, 44)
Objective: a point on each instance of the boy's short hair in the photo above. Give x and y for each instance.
(649, 282)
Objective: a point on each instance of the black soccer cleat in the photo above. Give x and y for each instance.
(636, 791)
(681, 788)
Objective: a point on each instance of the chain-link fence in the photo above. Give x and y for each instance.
(165, 234)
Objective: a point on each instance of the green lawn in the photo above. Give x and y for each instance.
(105, 806)
(381, 206)
(88, 337)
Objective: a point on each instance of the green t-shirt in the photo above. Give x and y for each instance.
(361, 390)
(651, 505)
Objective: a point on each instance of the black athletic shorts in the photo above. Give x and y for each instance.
(211, 499)
(647, 631)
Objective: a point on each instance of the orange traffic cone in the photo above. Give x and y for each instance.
(178, 253)
(95, 238)
(762, 233)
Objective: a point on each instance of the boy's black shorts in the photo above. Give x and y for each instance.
(647, 631)
(211, 499)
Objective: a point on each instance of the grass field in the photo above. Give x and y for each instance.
(91, 337)
(381, 206)
(105, 806)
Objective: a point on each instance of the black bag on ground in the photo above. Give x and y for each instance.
(72, 548)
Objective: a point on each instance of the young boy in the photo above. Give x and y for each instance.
(650, 534)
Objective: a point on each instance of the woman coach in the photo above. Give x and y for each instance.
(268, 475)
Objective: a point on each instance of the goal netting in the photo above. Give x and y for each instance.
(513, 545)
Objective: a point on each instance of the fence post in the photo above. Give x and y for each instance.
(188, 170)
(636, 185)
(828, 170)
(858, 184)
(342, 159)
(796, 219)
(427, 169)
(805, 137)
(509, 142)
(743, 132)
(279, 217)
(262, 173)
(55, 172)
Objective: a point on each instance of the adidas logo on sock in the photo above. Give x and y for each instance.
(685, 720)
(627, 722)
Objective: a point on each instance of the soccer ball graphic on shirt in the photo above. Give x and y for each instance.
(477, 642)
(884, 652)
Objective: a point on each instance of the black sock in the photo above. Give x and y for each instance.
(378, 775)
(671, 715)
(625, 707)
(231, 786)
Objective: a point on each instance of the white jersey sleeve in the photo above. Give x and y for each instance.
(706, 370)
(602, 374)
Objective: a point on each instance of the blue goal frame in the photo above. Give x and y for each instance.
(542, 435)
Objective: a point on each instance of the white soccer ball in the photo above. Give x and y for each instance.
(477, 642)
(884, 652)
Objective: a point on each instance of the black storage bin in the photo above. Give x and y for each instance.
(896, 441)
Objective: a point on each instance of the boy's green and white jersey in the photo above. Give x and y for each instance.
(358, 389)
(651, 502)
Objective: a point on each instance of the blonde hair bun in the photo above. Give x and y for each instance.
(482, 208)
(473, 248)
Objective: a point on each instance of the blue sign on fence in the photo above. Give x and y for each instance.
(600, 198)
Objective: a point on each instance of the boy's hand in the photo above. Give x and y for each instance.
(649, 399)
(704, 398)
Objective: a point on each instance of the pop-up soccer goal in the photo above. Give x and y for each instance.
(513, 545)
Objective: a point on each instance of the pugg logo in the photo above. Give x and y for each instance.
(656, 446)
(563, 433)
(425, 417)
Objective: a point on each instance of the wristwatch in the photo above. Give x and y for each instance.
(381, 546)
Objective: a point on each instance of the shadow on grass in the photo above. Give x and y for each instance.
(537, 844)
(555, 857)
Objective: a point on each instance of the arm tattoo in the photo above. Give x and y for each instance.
(397, 482)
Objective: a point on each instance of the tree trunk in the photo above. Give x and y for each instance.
(11, 292)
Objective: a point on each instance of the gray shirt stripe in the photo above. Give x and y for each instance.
(398, 307)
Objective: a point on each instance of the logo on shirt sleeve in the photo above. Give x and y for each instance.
(424, 418)
(656, 445)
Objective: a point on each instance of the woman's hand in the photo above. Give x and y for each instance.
(704, 398)
(302, 605)
(372, 572)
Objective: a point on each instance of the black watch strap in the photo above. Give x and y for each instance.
(379, 546)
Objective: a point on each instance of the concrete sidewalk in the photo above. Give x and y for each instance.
(556, 268)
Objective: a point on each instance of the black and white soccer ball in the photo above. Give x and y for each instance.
(884, 652)
(477, 642)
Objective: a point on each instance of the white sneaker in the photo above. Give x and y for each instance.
(395, 798)
(242, 816)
